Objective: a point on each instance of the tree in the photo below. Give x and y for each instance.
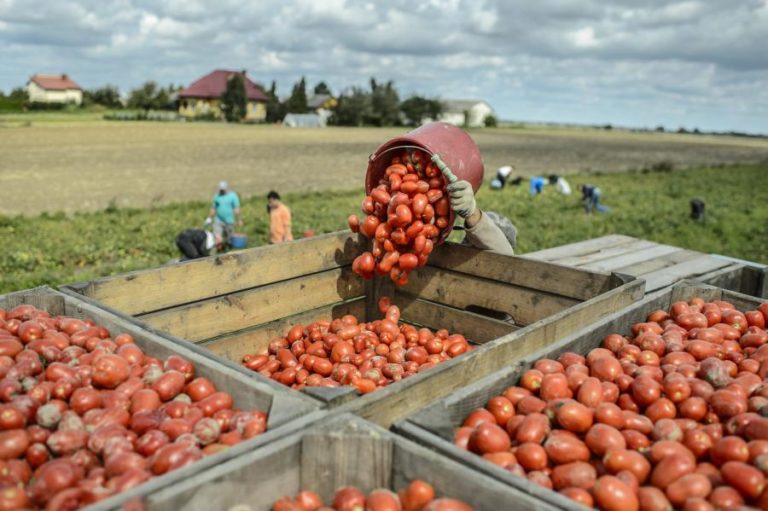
(234, 102)
(417, 108)
(490, 121)
(385, 104)
(275, 109)
(19, 94)
(353, 108)
(297, 103)
(322, 88)
(148, 97)
(108, 96)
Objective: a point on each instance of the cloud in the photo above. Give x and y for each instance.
(674, 62)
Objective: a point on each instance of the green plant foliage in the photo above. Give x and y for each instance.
(55, 248)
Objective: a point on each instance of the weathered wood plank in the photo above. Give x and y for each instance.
(606, 253)
(634, 257)
(475, 327)
(461, 291)
(217, 316)
(520, 271)
(190, 281)
(256, 339)
(579, 248)
(668, 276)
(390, 404)
(360, 455)
(644, 267)
(346, 458)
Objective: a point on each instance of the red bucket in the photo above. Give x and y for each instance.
(454, 146)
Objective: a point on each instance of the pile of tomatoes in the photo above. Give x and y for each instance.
(671, 416)
(418, 496)
(405, 216)
(84, 416)
(347, 352)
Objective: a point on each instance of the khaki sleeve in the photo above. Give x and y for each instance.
(486, 235)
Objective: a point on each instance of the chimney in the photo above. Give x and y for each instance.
(64, 76)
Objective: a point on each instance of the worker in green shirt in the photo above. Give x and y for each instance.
(225, 213)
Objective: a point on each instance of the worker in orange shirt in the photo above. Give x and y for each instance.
(279, 219)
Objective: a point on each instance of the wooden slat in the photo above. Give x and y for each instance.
(461, 291)
(256, 340)
(634, 257)
(670, 275)
(645, 267)
(191, 281)
(357, 458)
(390, 404)
(579, 248)
(520, 271)
(606, 253)
(475, 327)
(217, 316)
(340, 451)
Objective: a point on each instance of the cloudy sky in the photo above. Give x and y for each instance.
(696, 63)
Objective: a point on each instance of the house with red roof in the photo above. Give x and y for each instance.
(203, 97)
(54, 89)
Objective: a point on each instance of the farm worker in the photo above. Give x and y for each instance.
(537, 185)
(590, 196)
(501, 177)
(195, 243)
(279, 219)
(561, 185)
(481, 230)
(224, 212)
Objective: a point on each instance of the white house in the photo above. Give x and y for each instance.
(469, 112)
(54, 89)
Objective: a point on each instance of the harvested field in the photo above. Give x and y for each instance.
(88, 165)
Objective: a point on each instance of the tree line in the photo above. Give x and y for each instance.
(378, 104)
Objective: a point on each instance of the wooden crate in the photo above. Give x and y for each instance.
(342, 450)
(434, 425)
(287, 410)
(659, 265)
(236, 303)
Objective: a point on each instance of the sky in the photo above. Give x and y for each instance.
(694, 64)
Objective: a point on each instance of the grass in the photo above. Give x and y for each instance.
(56, 249)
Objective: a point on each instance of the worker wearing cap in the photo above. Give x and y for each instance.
(225, 211)
(484, 230)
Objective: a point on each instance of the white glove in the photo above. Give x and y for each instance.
(208, 221)
(462, 198)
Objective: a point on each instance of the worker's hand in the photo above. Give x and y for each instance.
(240, 223)
(208, 221)
(462, 199)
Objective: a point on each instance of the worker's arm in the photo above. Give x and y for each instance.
(481, 231)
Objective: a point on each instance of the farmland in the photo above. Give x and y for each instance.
(58, 248)
(59, 162)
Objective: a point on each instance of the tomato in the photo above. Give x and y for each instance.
(348, 499)
(611, 494)
(748, 480)
(109, 371)
(417, 495)
(13, 443)
(489, 438)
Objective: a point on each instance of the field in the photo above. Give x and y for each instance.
(58, 248)
(63, 162)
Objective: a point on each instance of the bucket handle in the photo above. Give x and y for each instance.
(449, 175)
